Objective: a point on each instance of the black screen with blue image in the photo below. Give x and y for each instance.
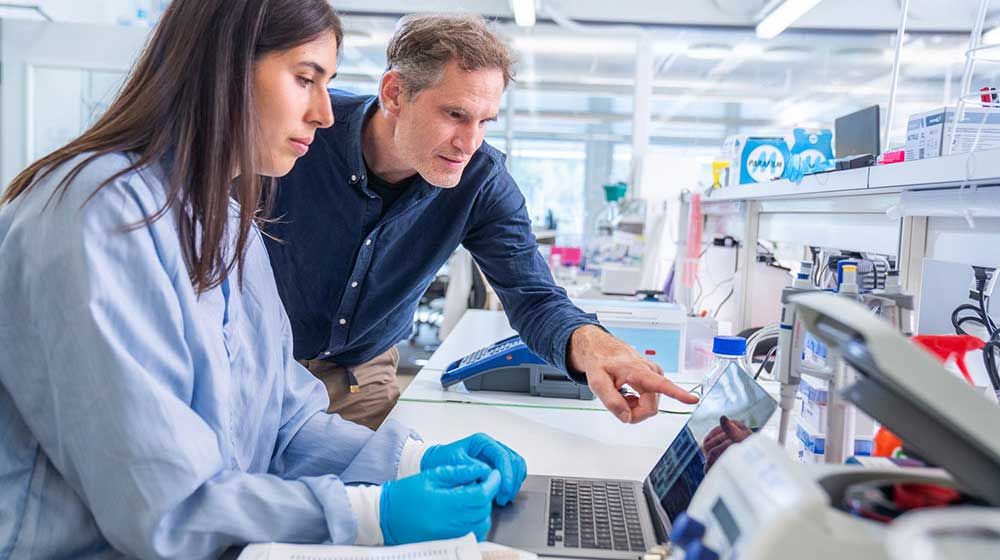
(680, 470)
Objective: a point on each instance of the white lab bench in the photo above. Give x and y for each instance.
(555, 436)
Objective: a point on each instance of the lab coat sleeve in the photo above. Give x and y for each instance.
(108, 400)
(503, 244)
(314, 443)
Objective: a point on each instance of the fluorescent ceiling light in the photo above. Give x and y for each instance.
(588, 45)
(524, 12)
(784, 15)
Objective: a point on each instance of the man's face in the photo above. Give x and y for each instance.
(439, 129)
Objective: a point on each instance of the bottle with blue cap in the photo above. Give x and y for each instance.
(728, 350)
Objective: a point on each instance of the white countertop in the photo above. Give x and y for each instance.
(567, 437)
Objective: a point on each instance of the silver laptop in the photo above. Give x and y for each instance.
(599, 518)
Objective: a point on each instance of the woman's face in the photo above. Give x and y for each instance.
(291, 101)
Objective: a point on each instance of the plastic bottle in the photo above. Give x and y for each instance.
(601, 245)
(848, 286)
(728, 350)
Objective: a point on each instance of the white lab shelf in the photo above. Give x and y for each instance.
(947, 171)
(979, 168)
(913, 210)
(818, 184)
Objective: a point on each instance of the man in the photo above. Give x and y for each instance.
(381, 200)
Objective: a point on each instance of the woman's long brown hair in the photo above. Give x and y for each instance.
(189, 101)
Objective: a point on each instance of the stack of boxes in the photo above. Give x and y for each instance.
(928, 134)
(812, 423)
(811, 429)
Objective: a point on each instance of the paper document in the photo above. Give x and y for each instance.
(465, 548)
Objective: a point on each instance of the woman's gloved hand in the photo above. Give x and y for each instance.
(441, 503)
(488, 450)
(721, 437)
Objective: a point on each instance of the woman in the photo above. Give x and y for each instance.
(149, 402)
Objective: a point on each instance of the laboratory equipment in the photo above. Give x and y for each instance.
(844, 432)
(657, 330)
(892, 304)
(620, 279)
(758, 504)
(601, 245)
(595, 518)
(857, 134)
(510, 366)
(621, 242)
(790, 340)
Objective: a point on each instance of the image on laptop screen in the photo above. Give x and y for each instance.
(681, 469)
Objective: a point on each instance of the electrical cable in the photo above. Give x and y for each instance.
(769, 355)
(980, 315)
(723, 302)
(991, 364)
(770, 331)
(732, 289)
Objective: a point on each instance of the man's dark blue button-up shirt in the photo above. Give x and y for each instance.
(351, 278)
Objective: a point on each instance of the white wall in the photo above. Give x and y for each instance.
(85, 11)
(45, 84)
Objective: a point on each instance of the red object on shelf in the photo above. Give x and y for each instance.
(895, 156)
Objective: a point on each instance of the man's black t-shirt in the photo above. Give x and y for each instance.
(388, 192)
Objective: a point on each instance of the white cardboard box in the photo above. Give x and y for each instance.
(928, 133)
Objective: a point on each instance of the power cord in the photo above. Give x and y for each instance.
(980, 315)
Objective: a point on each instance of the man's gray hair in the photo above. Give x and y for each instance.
(424, 44)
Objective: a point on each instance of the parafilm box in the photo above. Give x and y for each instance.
(755, 159)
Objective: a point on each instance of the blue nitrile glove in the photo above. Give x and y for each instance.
(442, 503)
(795, 170)
(488, 450)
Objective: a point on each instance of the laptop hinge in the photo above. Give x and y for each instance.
(659, 527)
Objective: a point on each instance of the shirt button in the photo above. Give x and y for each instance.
(354, 284)
(368, 242)
(354, 178)
(327, 353)
(343, 321)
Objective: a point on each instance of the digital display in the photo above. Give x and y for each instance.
(726, 521)
(660, 346)
(735, 396)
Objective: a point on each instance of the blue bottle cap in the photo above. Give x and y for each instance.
(729, 345)
(686, 530)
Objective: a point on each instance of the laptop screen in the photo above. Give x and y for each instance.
(681, 469)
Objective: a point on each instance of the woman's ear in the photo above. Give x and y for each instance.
(391, 93)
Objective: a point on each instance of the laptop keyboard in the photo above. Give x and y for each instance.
(598, 514)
